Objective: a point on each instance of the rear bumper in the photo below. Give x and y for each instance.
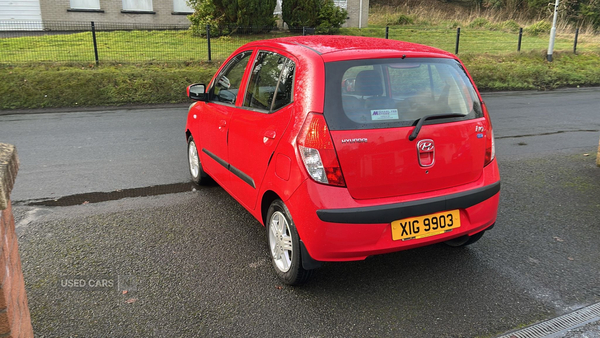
(335, 227)
(391, 212)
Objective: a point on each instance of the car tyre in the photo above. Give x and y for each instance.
(464, 240)
(195, 166)
(284, 245)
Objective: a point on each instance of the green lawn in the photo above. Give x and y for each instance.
(138, 67)
(121, 46)
(178, 46)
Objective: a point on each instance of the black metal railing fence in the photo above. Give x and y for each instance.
(82, 42)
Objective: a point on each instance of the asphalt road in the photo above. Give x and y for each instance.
(200, 262)
(64, 154)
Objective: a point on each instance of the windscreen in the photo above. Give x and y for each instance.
(388, 93)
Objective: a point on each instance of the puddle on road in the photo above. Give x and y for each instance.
(97, 197)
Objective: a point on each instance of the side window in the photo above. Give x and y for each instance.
(285, 89)
(226, 87)
(271, 82)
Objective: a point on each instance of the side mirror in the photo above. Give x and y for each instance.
(197, 92)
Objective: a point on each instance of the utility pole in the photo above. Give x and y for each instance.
(552, 33)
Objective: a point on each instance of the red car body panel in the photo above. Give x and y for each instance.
(347, 241)
(387, 165)
(263, 150)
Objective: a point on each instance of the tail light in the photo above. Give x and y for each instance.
(490, 145)
(318, 153)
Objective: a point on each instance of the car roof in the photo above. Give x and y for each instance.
(337, 47)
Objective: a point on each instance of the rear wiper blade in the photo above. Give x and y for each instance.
(422, 120)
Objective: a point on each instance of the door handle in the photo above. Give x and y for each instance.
(222, 124)
(269, 135)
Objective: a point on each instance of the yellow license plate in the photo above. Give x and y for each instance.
(425, 226)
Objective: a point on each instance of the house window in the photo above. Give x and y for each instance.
(341, 3)
(137, 5)
(181, 6)
(85, 4)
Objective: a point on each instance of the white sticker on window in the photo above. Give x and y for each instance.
(384, 114)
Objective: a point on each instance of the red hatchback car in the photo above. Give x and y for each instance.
(347, 147)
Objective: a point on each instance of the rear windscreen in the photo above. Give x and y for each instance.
(388, 93)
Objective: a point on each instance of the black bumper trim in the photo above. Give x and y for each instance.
(392, 212)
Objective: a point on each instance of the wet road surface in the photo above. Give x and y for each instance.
(200, 260)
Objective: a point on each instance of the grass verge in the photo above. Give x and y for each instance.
(51, 86)
(530, 71)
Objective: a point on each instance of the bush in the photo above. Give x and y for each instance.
(330, 18)
(537, 28)
(256, 13)
(404, 20)
(453, 24)
(227, 16)
(493, 4)
(205, 13)
(510, 26)
(300, 13)
(591, 12)
(574, 11)
(479, 23)
(321, 14)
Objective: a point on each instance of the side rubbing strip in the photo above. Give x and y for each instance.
(391, 212)
(231, 168)
(216, 158)
(242, 176)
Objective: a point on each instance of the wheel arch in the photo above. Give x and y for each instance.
(268, 197)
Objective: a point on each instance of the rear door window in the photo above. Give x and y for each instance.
(271, 82)
(367, 94)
